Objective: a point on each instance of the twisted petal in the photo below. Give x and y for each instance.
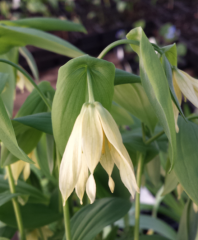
(26, 171)
(91, 137)
(186, 85)
(81, 184)
(91, 188)
(71, 161)
(118, 152)
(179, 97)
(17, 168)
(107, 161)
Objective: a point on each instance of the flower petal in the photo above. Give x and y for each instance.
(109, 126)
(124, 164)
(17, 168)
(81, 184)
(26, 171)
(118, 151)
(91, 188)
(107, 162)
(186, 86)
(91, 137)
(71, 162)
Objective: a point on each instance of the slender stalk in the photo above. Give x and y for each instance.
(65, 206)
(137, 198)
(15, 203)
(90, 87)
(30, 79)
(143, 133)
(154, 138)
(67, 220)
(116, 43)
(41, 234)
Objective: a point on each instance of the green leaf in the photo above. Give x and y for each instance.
(168, 72)
(171, 53)
(120, 115)
(23, 188)
(90, 220)
(30, 60)
(41, 215)
(153, 170)
(153, 237)
(155, 85)
(157, 225)
(3, 81)
(123, 77)
(7, 196)
(28, 137)
(2, 238)
(7, 232)
(171, 182)
(186, 165)
(8, 137)
(134, 144)
(9, 90)
(42, 159)
(183, 231)
(133, 98)
(37, 38)
(72, 93)
(47, 24)
(39, 121)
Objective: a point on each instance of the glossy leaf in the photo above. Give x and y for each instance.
(8, 137)
(23, 188)
(41, 215)
(8, 93)
(186, 165)
(37, 38)
(42, 159)
(30, 60)
(7, 232)
(171, 53)
(155, 85)
(157, 225)
(46, 24)
(171, 182)
(90, 220)
(7, 196)
(26, 134)
(123, 77)
(72, 92)
(133, 98)
(39, 121)
(121, 115)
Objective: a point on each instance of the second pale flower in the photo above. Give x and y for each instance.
(95, 138)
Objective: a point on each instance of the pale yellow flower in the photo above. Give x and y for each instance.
(36, 234)
(186, 85)
(22, 82)
(95, 138)
(21, 166)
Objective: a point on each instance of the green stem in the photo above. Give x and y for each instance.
(41, 234)
(30, 79)
(192, 117)
(65, 207)
(67, 220)
(90, 87)
(154, 138)
(116, 43)
(137, 198)
(143, 133)
(15, 204)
